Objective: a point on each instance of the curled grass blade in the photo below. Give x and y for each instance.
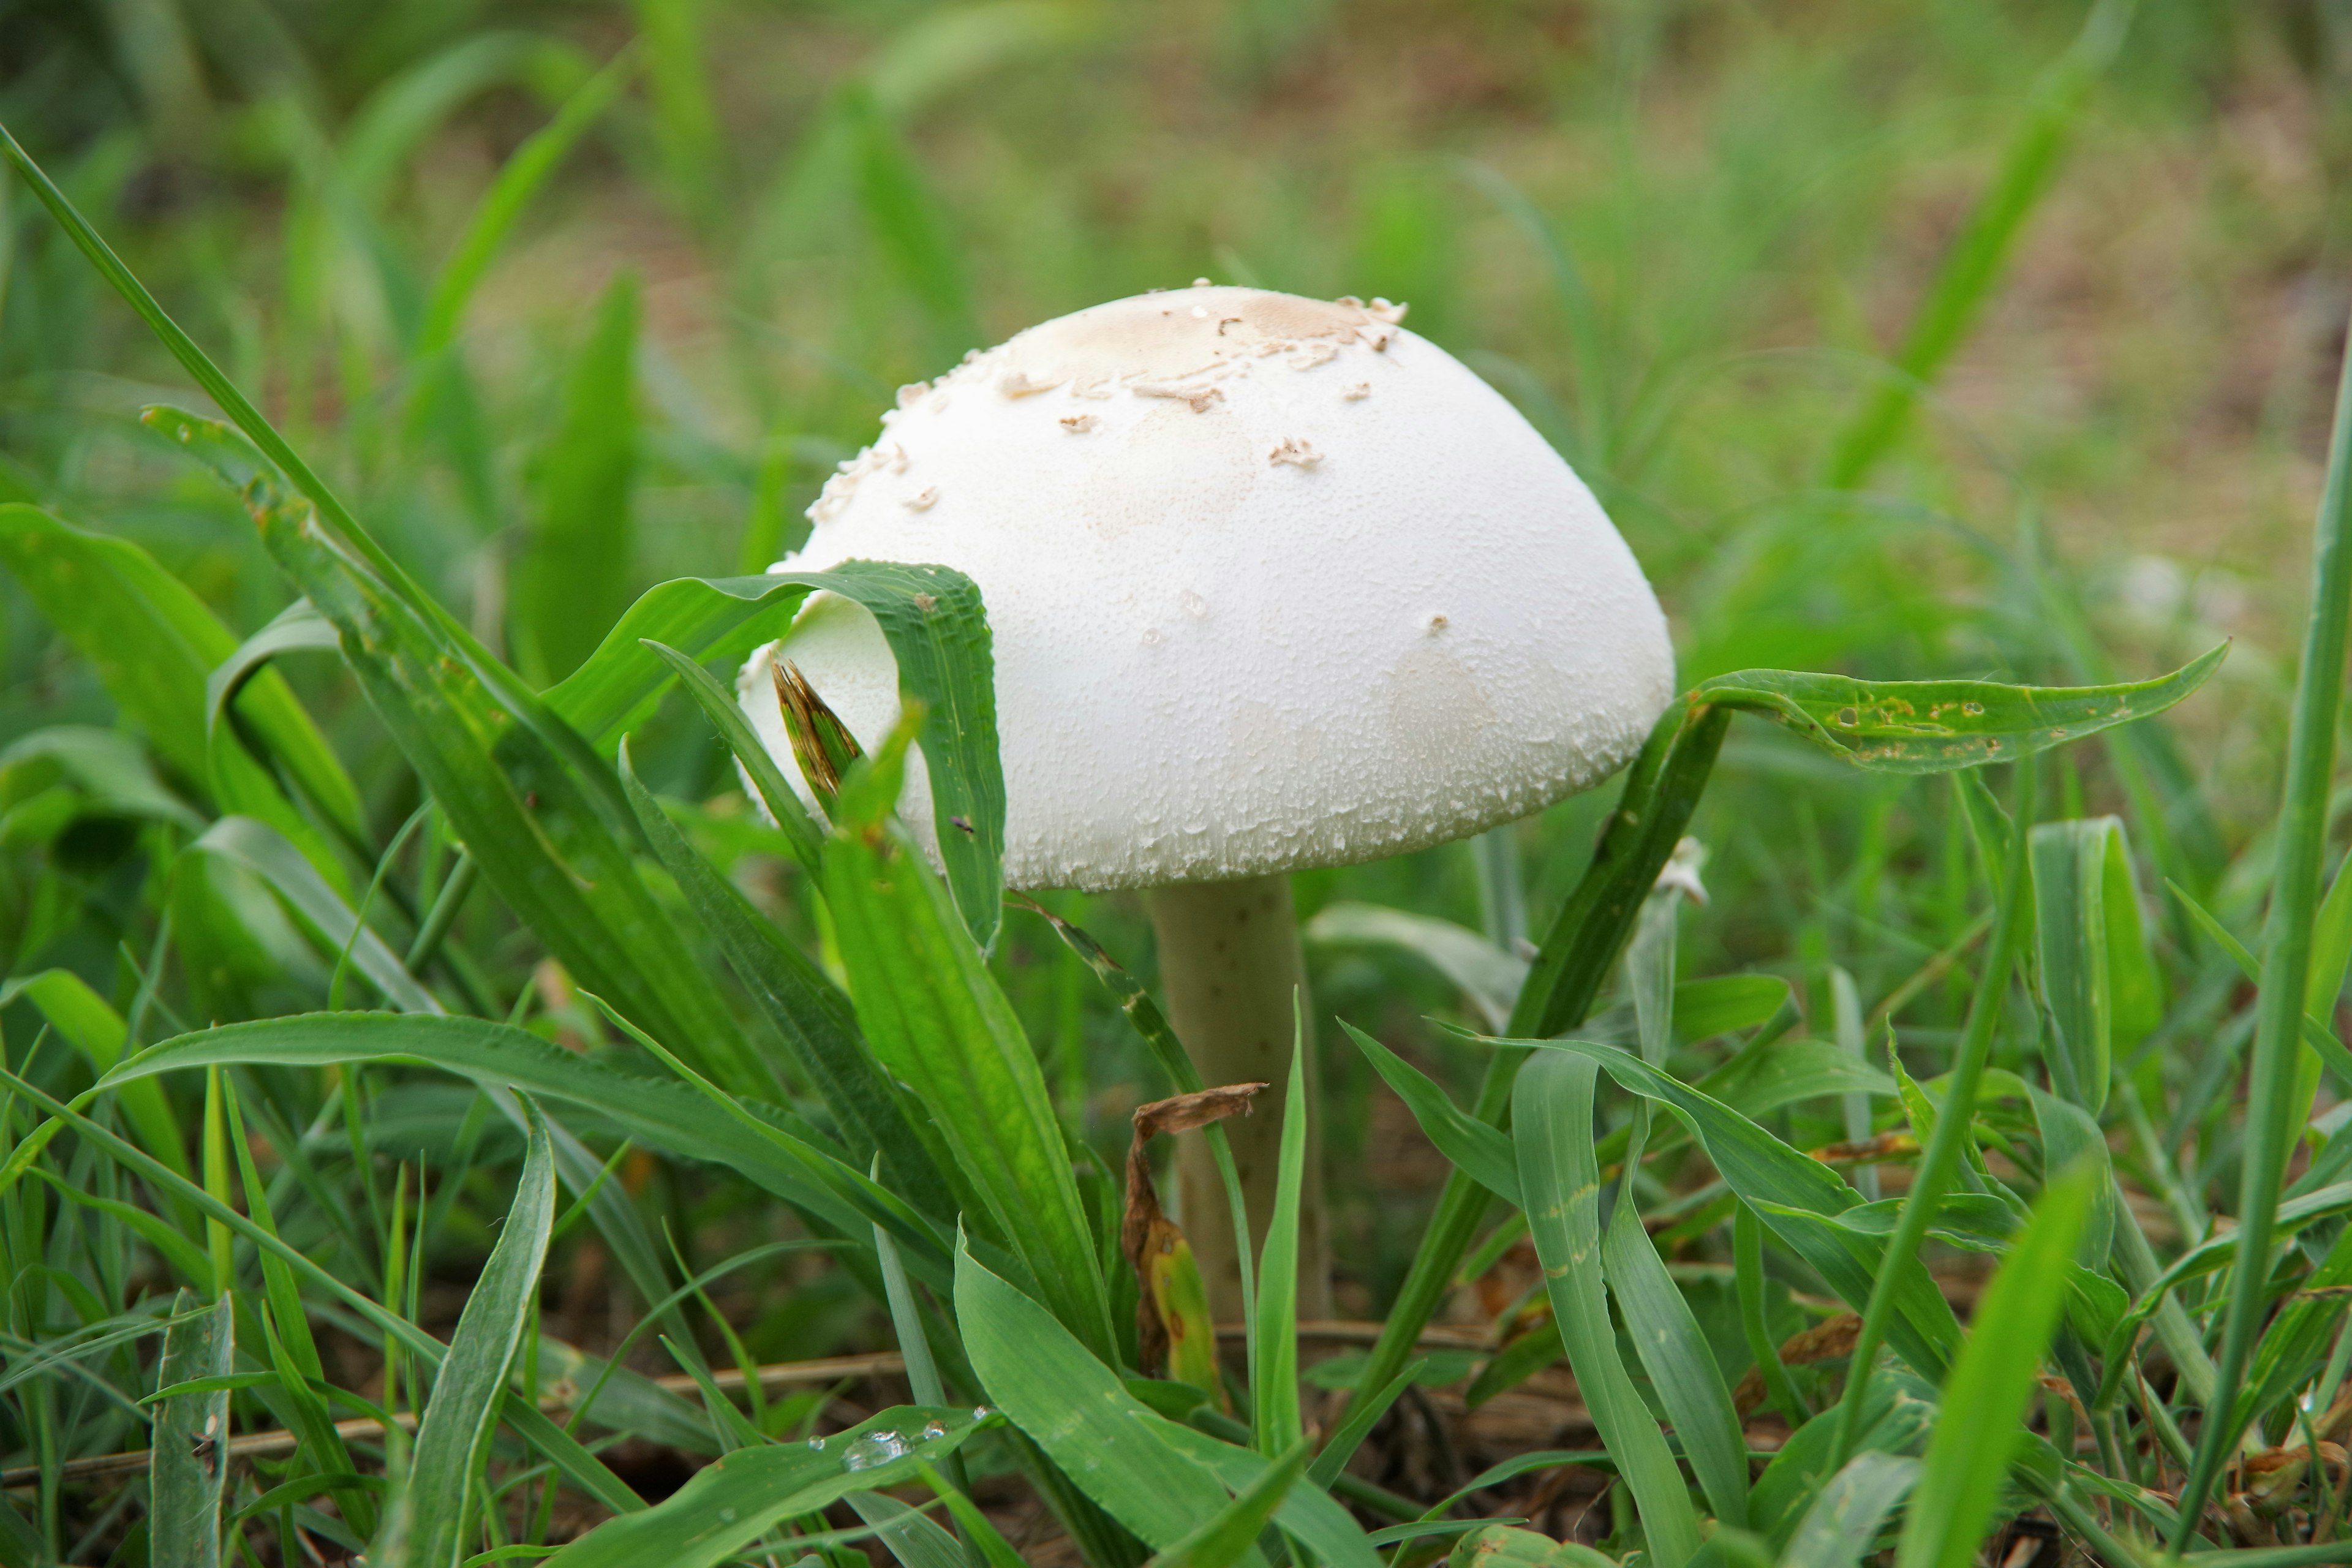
(1936, 726)
(938, 631)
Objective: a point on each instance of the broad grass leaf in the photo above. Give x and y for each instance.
(935, 1017)
(469, 1387)
(1560, 1178)
(1230, 1534)
(815, 1020)
(573, 579)
(258, 848)
(1991, 1379)
(791, 1163)
(1478, 1149)
(938, 631)
(536, 808)
(1936, 726)
(1077, 1411)
(1797, 1198)
(153, 644)
(728, 1505)
(1843, 1523)
(1593, 924)
(190, 1441)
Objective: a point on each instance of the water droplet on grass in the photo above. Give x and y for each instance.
(874, 1449)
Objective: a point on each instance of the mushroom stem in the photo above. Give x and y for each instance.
(1230, 963)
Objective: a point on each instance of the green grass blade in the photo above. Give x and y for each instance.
(813, 1018)
(519, 180)
(2070, 926)
(1230, 1534)
(1363, 1414)
(1075, 1409)
(759, 765)
(731, 1503)
(1800, 1198)
(938, 1021)
(1159, 1037)
(575, 1463)
(2271, 1089)
(1273, 1360)
(190, 1442)
(2316, 1035)
(913, 1540)
(537, 810)
(572, 580)
(994, 1550)
(1489, 976)
(153, 644)
(1936, 726)
(287, 1328)
(905, 219)
(1949, 1143)
(88, 1023)
(1310, 1515)
(1984, 1398)
(686, 117)
(1475, 1147)
(1747, 1265)
(1552, 1117)
(1661, 790)
(1972, 268)
(1843, 1524)
(471, 1386)
(260, 849)
(791, 1163)
(938, 631)
(1681, 1364)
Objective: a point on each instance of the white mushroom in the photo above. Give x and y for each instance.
(1211, 669)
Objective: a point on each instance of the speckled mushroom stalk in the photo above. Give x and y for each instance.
(1275, 584)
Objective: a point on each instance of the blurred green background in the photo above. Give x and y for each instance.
(569, 299)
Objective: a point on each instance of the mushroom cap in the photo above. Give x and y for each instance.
(1274, 583)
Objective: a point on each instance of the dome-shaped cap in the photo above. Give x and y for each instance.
(1274, 583)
